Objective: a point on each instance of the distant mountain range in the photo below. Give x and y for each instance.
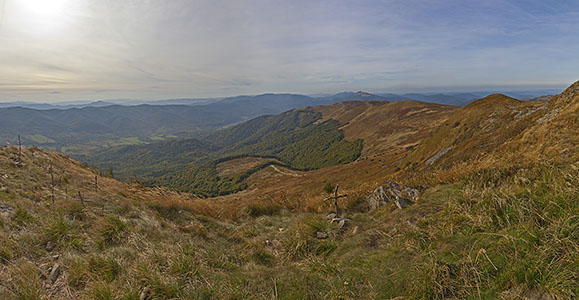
(84, 127)
(456, 99)
(81, 127)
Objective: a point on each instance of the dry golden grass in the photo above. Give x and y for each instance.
(502, 224)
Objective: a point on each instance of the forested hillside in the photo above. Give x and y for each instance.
(295, 139)
(82, 130)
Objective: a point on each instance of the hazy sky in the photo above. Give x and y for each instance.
(154, 49)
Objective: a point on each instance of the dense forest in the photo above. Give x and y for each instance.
(297, 139)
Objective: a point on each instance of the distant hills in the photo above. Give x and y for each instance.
(81, 127)
(451, 98)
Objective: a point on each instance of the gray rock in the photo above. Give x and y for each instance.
(321, 235)
(144, 294)
(49, 246)
(342, 224)
(390, 191)
(331, 216)
(402, 203)
(273, 243)
(55, 272)
(6, 211)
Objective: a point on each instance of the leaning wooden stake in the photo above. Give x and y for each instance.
(19, 151)
(81, 199)
(96, 183)
(51, 184)
(336, 197)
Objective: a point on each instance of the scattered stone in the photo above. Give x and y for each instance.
(401, 195)
(56, 257)
(402, 203)
(342, 223)
(49, 246)
(281, 229)
(6, 211)
(331, 216)
(43, 274)
(55, 272)
(273, 243)
(144, 294)
(321, 235)
(355, 230)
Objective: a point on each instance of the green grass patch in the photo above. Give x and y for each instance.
(40, 139)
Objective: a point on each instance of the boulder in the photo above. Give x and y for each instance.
(390, 191)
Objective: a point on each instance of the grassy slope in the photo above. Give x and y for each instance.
(504, 234)
(503, 228)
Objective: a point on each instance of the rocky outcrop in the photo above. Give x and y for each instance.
(401, 195)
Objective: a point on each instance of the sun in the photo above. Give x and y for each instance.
(43, 16)
(45, 8)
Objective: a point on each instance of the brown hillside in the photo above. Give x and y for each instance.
(474, 131)
(233, 167)
(555, 134)
(423, 143)
(387, 128)
(389, 131)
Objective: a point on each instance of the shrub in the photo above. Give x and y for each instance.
(107, 268)
(112, 230)
(102, 291)
(22, 217)
(329, 187)
(64, 233)
(24, 283)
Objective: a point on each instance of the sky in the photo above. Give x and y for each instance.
(56, 50)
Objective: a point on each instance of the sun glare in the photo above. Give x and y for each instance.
(45, 8)
(43, 16)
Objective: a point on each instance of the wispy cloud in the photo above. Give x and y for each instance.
(179, 48)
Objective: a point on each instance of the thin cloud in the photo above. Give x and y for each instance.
(163, 49)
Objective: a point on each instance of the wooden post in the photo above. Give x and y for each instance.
(19, 150)
(96, 183)
(51, 184)
(336, 197)
(81, 199)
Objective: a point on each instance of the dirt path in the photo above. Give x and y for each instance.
(286, 173)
